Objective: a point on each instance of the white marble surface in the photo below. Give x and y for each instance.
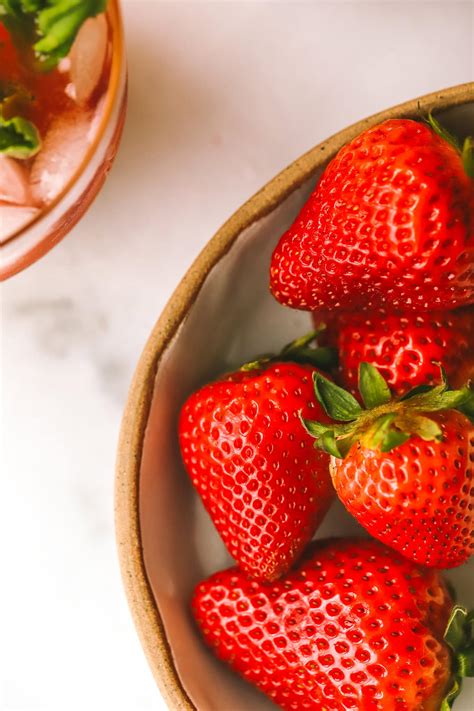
(222, 96)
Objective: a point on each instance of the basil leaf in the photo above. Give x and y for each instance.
(31, 5)
(18, 9)
(60, 21)
(10, 7)
(56, 23)
(19, 138)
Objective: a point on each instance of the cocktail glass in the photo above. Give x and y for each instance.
(42, 198)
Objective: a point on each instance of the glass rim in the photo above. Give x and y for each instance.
(113, 88)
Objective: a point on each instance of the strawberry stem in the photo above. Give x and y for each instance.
(443, 132)
(300, 351)
(459, 636)
(372, 387)
(465, 149)
(468, 156)
(385, 422)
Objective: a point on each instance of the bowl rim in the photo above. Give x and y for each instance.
(138, 589)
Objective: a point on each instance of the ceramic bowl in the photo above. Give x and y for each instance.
(220, 315)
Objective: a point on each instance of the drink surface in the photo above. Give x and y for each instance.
(65, 104)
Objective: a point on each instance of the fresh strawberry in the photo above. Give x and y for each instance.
(354, 626)
(407, 348)
(264, 485)
(403, 468)
(466, 370)
(390, 224)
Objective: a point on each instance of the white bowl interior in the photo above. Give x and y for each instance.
(233, 319)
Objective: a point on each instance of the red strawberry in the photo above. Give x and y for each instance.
(403, 468)
(406, 349)
(466, 370)
(355, 626)
(264, 485)
(390, 222)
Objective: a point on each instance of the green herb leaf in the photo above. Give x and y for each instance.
(60, 21)
(337, 403)
(10, 7)
(372, 386)
(56, 23)
(32, 5)
(20, 22)
(19, 138)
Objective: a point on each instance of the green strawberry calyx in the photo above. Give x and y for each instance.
(465, 149)
(299, 351)
(459, 636)
(382, 422)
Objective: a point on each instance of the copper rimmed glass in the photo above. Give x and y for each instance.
(34, 240)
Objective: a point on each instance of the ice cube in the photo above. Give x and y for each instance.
(13, 218)
(64, 148)
(14, 182)
(87, 57)
(64, 65)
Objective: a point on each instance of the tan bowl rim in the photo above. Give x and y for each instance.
(139, 593)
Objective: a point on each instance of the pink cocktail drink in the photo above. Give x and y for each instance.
(61, 115)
